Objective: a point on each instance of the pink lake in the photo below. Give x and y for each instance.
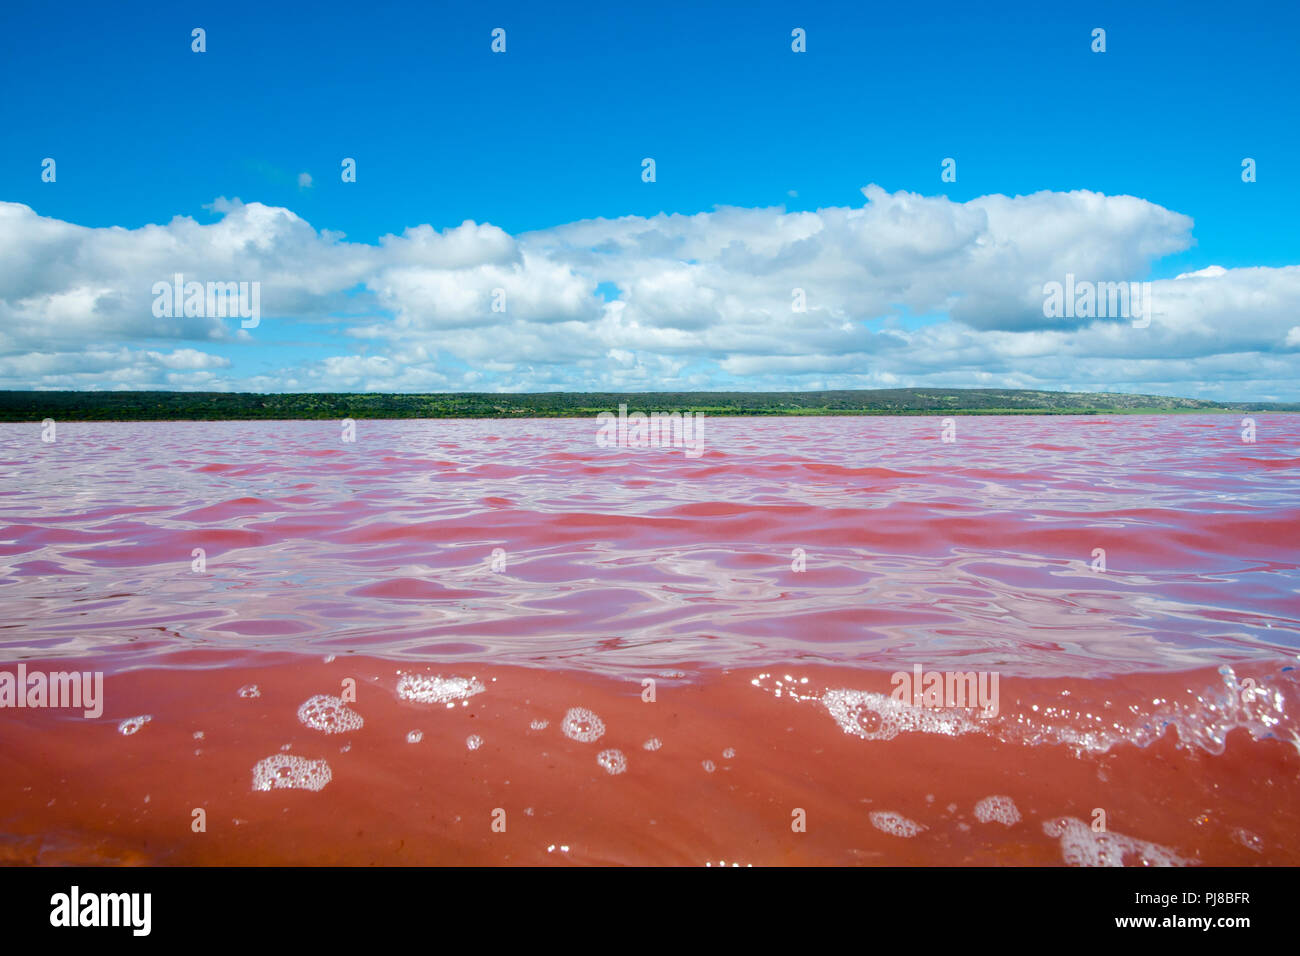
(1131, 581)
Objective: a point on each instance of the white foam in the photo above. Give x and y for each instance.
(709, 766)
(540, 724)
(473, 741)
(250, 690)
(582, 725)
(654, 743)
(729, 753)
(286, 772)
(1081, 846)
(895, 824)
(132, 724)
(1203, 716)
(874, 716)
(437, 690)
(330, 715)
(997, 809)
(612, 760)
(415, 736)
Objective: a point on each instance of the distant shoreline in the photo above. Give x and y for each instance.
(124, 406)
(959, 413)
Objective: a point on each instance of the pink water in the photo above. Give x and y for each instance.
(1161, 690)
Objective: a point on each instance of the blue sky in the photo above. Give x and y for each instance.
(553, 133)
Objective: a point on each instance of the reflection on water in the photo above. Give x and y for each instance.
(612, 560)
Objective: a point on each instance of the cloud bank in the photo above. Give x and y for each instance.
(905, 290)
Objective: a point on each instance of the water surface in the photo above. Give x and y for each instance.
(768, 588)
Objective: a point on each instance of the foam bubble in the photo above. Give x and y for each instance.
(654, 743)
(540, 724)
(473, 741)
(437, 690)
(1080, 846)
(895, 824)
(729, 753)
(132, 724)
(874, 716)
(709, 766)
(997, 809)
(582, 725)
(415, 736)
(283, 771)
(329, 714)
(612, 760)
(1202, 715)
(249, 690)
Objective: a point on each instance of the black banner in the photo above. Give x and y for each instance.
(335, 906)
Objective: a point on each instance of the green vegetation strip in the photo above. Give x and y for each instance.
(29, 406)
